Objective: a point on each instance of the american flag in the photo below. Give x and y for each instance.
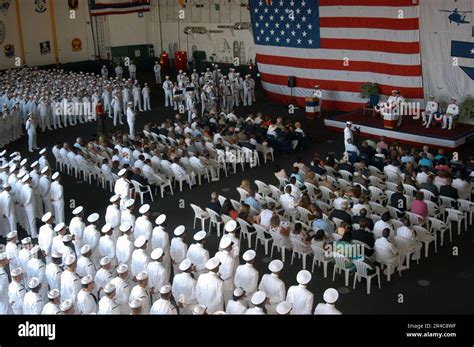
(339, 45)
(111, 7)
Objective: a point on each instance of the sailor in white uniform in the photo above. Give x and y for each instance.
(210, 288)
(430, 109)
(178, 248)
(57, 198)
(330, 296)
(86, 300)
(16, 291)
(273, 286)
(108, 305)
(157, 71)
(258, 300)
(184, 287)
(142, 292)
(299, 297)
(198, 254)
(33, 302)
(237, 305)
(122, 289)
(452, 113)
(52, 306)
(246, 275)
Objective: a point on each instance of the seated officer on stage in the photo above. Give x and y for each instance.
(430, 110)
(452, 113)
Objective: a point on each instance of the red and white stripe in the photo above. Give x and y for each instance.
(361, 41)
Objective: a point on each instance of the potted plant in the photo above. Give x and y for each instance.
(467, 110)
(370, 91)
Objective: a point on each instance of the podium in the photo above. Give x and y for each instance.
(390, 120)
(312, 109)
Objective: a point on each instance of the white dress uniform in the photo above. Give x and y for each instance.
(24, 257)
(131, 122)
(178, 251)
(210, 292)
(427, 115)
(348, 135)
(86, 302)
(157, 71)
(274, 288)
(137, 101)
(102, 278)
(85, 267)
(132, 69)
(143, 227)
(45, 238)
(146, 98)
(51, 308)
(118, 72)
(35, 176)
(301, 299)
(126, 216)
(168, 88)
(227, 270)
(32, 303)
(57, 245)
(324, 308)
(70, 285)
(91, 237)
(451, 112)
(107, 247)
(76, 228)
(142, 294)
(122, 293)
(158, 276)
(236, 307)
(116, 106)
(122, 188)
(161, 239)
(4, 303)
(198, 256)
(57, 198)
(28, 201)
(108, 306)
(16, 293)
(31, 131)
(45, 188)
(184, 288)
(53, 275)
(246, 277)
(124, 249)
(140, 260)
(36, 268)
(8, 209)
(162, 306)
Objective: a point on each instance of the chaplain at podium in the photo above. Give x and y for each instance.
(390, 110)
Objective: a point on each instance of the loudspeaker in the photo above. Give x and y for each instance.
(292, 81)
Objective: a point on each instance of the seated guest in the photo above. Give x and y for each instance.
(299, 234)
(345, 247)
(311, 178)
(296, 174)
(263, 218)
(307, 204)
(363, 234)
(419, 206)
(422, 176)
(362, 204)
(135, 175)
(463, 187)
(359, 177)
(411, 242)
(279, 172)
(430, 186)
(425, 161)
(363, 215)
(345, 165)
(245, 184)
(386, 252)
(448, 190)
(382, 144)
(303, 169)
(281, 232)
(441, 165)
(398, 200)
(342, 213)
(295, 190)
(245, 214)
(319, 239)
(319, 223)
(214, 204)
(229, 210)
(382, 224)
(251, 201)
(350, 147)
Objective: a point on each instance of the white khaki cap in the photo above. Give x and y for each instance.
(26, 240)
(142, 275)
(94, 217)
(303, 277)
(59, 227)
(124, 227)
(199, 236)
(165, 289)
(109, 288)
(34, 164)
(231, 226)
(156, 254)
(104, 261)
(67, 238)
(122, 172)
(12, 234)
(238, 292)
(114, 198)
(85, 249)
(212, 263)
(77, 210)
(225, 242)
(43, 151)
(53, 294)
(140, 241)
(258, 298)
(137, 303)
(275, 265)
(66, 305)
(129, 203)
(35, 250)
(70, 259)
(330, 295)
(144, 209)
(86, 280)
(25, 178)
(199, 309)
(16, 272)
(185, 265)
(160, 219)
(106, 228)
(283, 307)
(55, 176)
(33, 283)
(122, 268)
(249, 255)
(180, 229)
(46, 217)
(43, 170)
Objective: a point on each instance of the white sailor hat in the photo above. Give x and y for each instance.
(70, 259)
(46, 217)
(199, 309)
(225, 242)
(43, 170)
(230, 226)
(86, 279)
(104, 261)
(349, 123)
(35, 250)
(200, 235)
(160, 219)
(53, 294)
(109, 288)
(56, 255)
(13, 168)
(140, 241)
(124, 227)
(275, 265)
(185, 265)
(21, 174)
(283, 307)
(33, 283)
(212, 263)
(453, 98)
(6, 186)
(55, 176)
(12, 234)
(122, 268)
(26, 241)
(249, 255)
(106, 228)
(59, 227)
(67, 238)
(303, 277)
(94, 217)
(129, 203)
(2, 153)
(17, 272)
(179, 230)
(85, 249)
(144, 209)
(156, 254)
(34, 164)
(137, 303)
(142, 275)
(77, 210)
(258, 298)
(330, 295)
(114, 198)
(43, 151)
(66, 305)
(4, 166)
(238, 292)
(23, 162)
(25, 178)
(165, 289)
(3, 256)
(122, 172)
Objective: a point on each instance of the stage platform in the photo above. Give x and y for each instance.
(411, 132)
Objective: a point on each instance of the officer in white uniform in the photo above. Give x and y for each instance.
(76, 227)
(227, 266)
(57, 198)
(86, 300)
(161, 239)
(348, 134)
(36, 268)
(124, 246)
(118, 72)
(430, 109)
(113, 215)
(33, 302)
(126, 215)
(164, 305)
(330, 296)
(178, 248)
(132, 69)
(4, 303)
(108, 305)
(30, 127)
(168, 88)
(28, 203)
(184, 287)
(53, 272)
(46, 234)
(210, 288)
(238, 305)
(157, 71)
(142, 292)
(116, 106)
(158, 275)
(104, 72)
(45, 189)
(52, 306)
(198, 254)
(247, 91)
(122, 186)
(131, 116)
(70, 282)
(91, 237)
(452, 112)
(146, 97)
(85, 266)
(136, 93)
(103, 275)
(273, 286)
(246, 275)
(122, 289)
(140, 258)
(7, 207)
(143, 226)
(299, 297)
(16, 291)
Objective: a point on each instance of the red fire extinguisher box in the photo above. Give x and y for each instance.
(165, 63)
(181, 61)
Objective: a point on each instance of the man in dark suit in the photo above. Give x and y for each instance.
(448, 190)
(362, 234)
(363, 215)
(429, 186)
(342, 214)
(398, 200)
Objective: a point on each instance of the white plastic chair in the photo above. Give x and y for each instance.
(377, 182)
(276, 192)
(236, 205)
(215, 219)
(423, 235)
(340, 264)
(361, 272)
(377, 195)
(138, 188)
(200, 214)
(428, 195)
(282, 181)
(304, 214)
(263, 188)
(455, 216)
(440, 227)
(467, 207)
(243, 193)
(299, 249)
(320, 258)
(244, 230)
(346, 175)
(261, 237)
